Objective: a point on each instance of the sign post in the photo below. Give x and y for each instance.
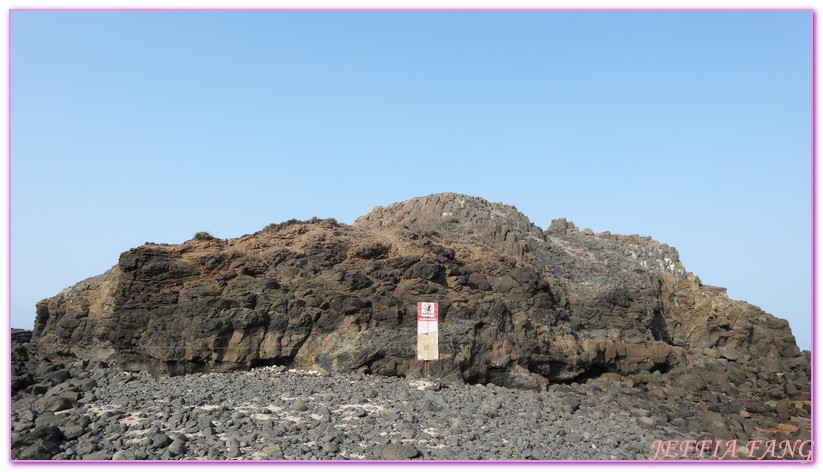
(427, 348)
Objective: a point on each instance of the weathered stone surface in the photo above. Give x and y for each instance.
(716, 425)
(42, 442)
(52, 404)
(519, 306)
(122, 456)
(398, 452)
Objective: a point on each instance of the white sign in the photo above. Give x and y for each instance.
(427, 317)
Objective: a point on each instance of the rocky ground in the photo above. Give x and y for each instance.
(74, 410)
(555, 343)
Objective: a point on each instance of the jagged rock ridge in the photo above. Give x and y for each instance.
(519, 305)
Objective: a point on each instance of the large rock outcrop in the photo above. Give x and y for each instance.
(519, 305)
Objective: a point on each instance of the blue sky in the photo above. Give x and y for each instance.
(691, 127)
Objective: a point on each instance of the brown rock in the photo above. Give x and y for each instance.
(716, 425)
(690, 382)
(784, 409)
(519, 306)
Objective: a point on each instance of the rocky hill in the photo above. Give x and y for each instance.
(519, 305)
(618, 345)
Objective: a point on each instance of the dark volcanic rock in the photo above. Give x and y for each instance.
(42, 442)
(247, 416)
(52, 404)
(519, 306)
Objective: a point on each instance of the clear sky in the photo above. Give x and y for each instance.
(691, 127)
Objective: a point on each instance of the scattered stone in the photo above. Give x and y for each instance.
(52, 404)
(271, 449)
(177, 447)
(790, 389)
(122, 456)
(160, 440)
(784, 409)
(397, 452)
(729, 352)
(425, 384)
(98, 456)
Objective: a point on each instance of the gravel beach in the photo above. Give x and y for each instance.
(74, 409)
(273, 413)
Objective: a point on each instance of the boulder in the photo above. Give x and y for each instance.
(52, 403)
(397, 452)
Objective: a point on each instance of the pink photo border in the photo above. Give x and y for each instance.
(376, 463)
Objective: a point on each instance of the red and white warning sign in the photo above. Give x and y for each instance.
(427, 317)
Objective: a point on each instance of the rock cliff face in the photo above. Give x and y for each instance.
(519, 305)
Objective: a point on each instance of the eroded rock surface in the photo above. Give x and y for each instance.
(520, 306)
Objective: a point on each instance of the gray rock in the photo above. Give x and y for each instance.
(272, 449)
(48, 419)
(233, 452)
(56, 377)
(52, 404)
(397, 452)
(122, 456)
(73, 431)
(49, 433)
(177, 447)
(102, 455)
(72, 395)
(86, 385)
(325, 414)
(39, 449)
(160, 440)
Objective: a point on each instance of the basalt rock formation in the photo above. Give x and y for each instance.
(519, 305)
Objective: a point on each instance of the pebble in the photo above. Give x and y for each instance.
(265, 414)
